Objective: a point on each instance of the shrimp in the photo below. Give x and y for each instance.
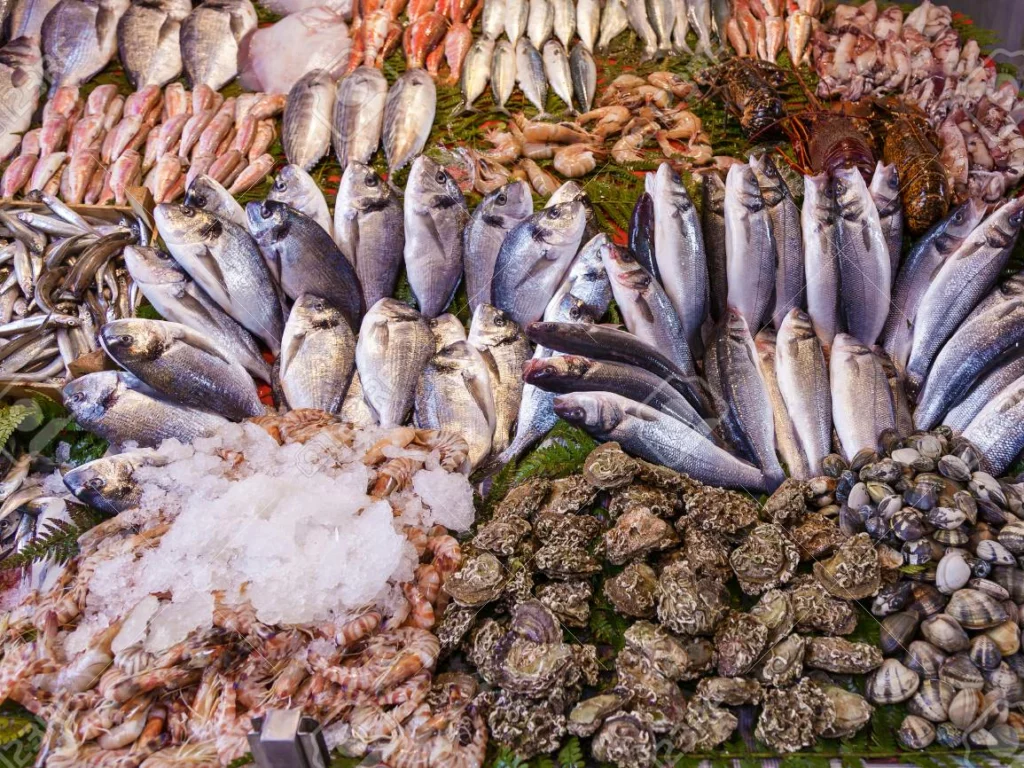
(558, 133)
(428, 580)
(627, 149)
(507, 147)
(422, 610)
(415, 689)
(357, 629)
(610, 120)
(577, 160)
(202, 755)
(671, 82)
(447, 553)
(418, 538)
(685, 125)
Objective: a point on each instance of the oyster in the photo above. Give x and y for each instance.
(740, 640)
(530, 727)
(534, 669)
(817, 611)
(519, 586)
(775, 610)
(568, 600)
(479, 581)
(716, 510)
(707, 554)
(792, 719)
(657, 501)
(688, 605)
(586, 717)
(454, 626)
(635, 534)
(673, 658)
(566, 561)
(788, 505)
(853, 572)
(816, 537)
(626, 741)
(632, 592)
(852, 712)
(654, 696)
(712, 724)
(483, 643)
(731, 691)
(568, 495)
(533, 621)
(834, 654)
(783, 663)
(566, 528)
(608, 466)
(502, 535)
(524, 500)
(765, 560)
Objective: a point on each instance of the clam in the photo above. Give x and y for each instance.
(945, 632)
(834, 465)
(932, 700)
(925, 599)
(924, 658)
(959, 671)
(859, 496)
(985, 652)
(1012, 580)
(995, 553)
(908, 524)
(975, 610)
(1005, 735)
(1006, 637)
(1012, 537)
(952, 572)
(954, 468)
(1004, 679)
(991, 588)
(891, 598)
(897, 630)
(986, 487)
(917, 552)
(916, 732)
(892, 683)
(982, 739)
(950, 538)
(906, 456)
(967, 710)
(852, 712)
(946, 518)
(949, 736)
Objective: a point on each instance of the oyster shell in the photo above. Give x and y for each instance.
(688, 605)
(479, 581)
(891, 683)
(568, 600)
(608, 466)
(712, 724)
(740, 640)
(834, 654)
(586, 717)
(783, 663)
(817, 611)
(632, 592)
(566, 528)
(852, 712)
(568, 495)
(654, 696)
(530, 727)
(483, 644)
(731, 691)
(657, 501)
(675, 659)
(635, 534)
(533, 621)
(791, 719)
(566, 561)
(455, 624)
(524, 500)
(533, 669)
(816, 537)
(788, 505)
(765, 560)
(626, 741)
(707, 554)
(502, 535)
(775, 611)
(853, 572)
(719, 511)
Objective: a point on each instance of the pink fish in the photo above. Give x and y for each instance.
(200, 165)
(63, 102)
(54, 131)
(113, 112)
(143, 101)
(75, 181)
(17, 175)
(99, 99)
(226, 167)
(203, 98)
(164, 177)
(253, 174)
(126, 172)
(46, 169)
(192, 130)
(215, 132)
(268, 105)
(88, 133)
(266, 133)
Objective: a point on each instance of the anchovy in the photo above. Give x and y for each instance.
(530, 75)
(557, 70)
(583, 70)
(803, 377)
(209, 195)
(503, 73)
(476, 71)
(504, 349)
(885, 191)
(296, 188)
(79, 38)
(614, 21)
(408, 117)
(491, 221)
(713, 228)
(998, 430)
(148, 41)
(789, 246)
(210, 40)
(787, 441)
(750, 246)
(586, 282)
(306, 124)
(636, 14)
(317, 356)
(108, 484)
(359, 115)
(861, 404)
(819, 230)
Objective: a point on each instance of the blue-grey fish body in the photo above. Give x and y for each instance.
(789, 246)
(491, 221)
(998, 430)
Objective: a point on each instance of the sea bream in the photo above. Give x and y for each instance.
(803, 377)
(819, 232)
(359, 115)
(504, 348)
(21, 77)
(296, 188)
(210, 39)
(447, 329)
(108, 483)
(789, 246)
(408, 117)
(209, 195)
(749, 245)
(586, 282)
(861, 403)
(307, 120)
(149, 41)
(26, 18)
(317, 356)
(491, 221)
(79, 38)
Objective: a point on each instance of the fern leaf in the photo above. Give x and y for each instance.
(15, 727)
(12, 417)
(58, 542)
(571, 755)
(566, 449)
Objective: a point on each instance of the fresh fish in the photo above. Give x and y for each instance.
(393, 347)
(656, 437)
(588, 22)
(1001, 375)
(79, 38)
(119, 408)
(557, 71)
(713, 228)
(209, 195)
(746, 409)
(21, 77)
(662, 16)
(885, 191)
(961, 282)
(700, 16)
(636, 14)
(183, 365)
(915, 276)
(369, 231)
(435, 216)
(789, 255)
(564, 21)
(306, 125)
(614, 21)
(149, 43)
(1009, 289)
(26, 19)
(108, 483)
(226, 262)
(861, 403)
(682, 26)
(296, 188)
(516, 16)
(819, 232)
(355, 411)
(803, 378)
(447, 329)
(679, 252)
(492, 20)
(898, 390)
(304, 258)
(491, 221)
(750, 246)
(641, 234)
(317, 355)
(530, 74)
(586, 282)
(476, 72)
(535, 418)
(583, 70)
(504, 348)
(534, 258)
(177, 298)
(210, 39)
(15, 477)
(787, 441)
(408, 117)
(503, 73)
(359, 115)
(998, 430)
(540, 22)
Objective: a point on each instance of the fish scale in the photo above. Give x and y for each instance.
(491, 221)
(861, 402)
(317, 356)
(803, 377)
(504, 348)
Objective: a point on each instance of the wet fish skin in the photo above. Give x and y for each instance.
(614, 21)
(885, 191)
(785, 217)
(119, 408)
(681, 27)
(492, 19)
(210, 38)
(1001, 375)
(21, 76)
(1009, 289)
(897, 389)
(713, 229)
(308, 117)
(803, 377)
(435, 216)
(210, 195)
(700, 17)
(535, 419)
(998, 430)
(408, 116)
(476, 71)
(516, 17)
(558, 72)
(27, 16)
(530, 75)
(491, 221)
(641, 234)
(588, 22)
(296, 188)
(636, 14)
(861, 403)
(359, 115)
(503, 73)
(586, 282)
(317, 355)
(656, 437)
(79, 38)
(750, 246)
(819, 231)
(787, 441)
(662, 16)
(108, 483)
(583, 70)
(148, 41)
(504, 348)
(447, 329)
(183, 365)
(564, 21)
(540, 22)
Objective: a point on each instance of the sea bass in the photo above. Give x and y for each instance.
(803, 377)
(713, 230)
(317, 355)
(504, 348)
(491, 221)
(885, 191)
(787, 441)
(819, 231)
(789, 246)
(861, 403)
(750, 246)
(998, 431)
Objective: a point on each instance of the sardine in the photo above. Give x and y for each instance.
(21, 77)
(210, 39)
(885, 191)
(819, 231)
(787, 441)
(861, 403)
(713, 229)
(491, 221)
(583, 70)
(556, 69)
(517, 14)
(503, 73)
(636, 14)
(447, 329)
(306, 125)
(359, 115)
(408, 117)
(998, 430)
(588, 22)
(750, 246)
(789, 254)
(296, 188)
(662, 16)
(120, 409)
(209, 195)
(79, 38)
(530, 74)
(492, 19)
(540, 22)
(614, 21)
(149, 43)
(108, 483)
(369, 231)
(476, 71)
(586, 282)
(435, 216)
(504, 348)
(317, 355)
(803, 378)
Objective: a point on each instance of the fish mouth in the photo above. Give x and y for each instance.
(574, 414)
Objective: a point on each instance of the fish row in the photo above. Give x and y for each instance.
(760, 28)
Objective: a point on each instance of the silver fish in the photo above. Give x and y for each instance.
(636, 13)
(564, 21)
(108, 483)
(662, 16)
(818, 224)
(183, 365)
(656, 437)
(900, 403)
(492, 19)
(681, 27)
(177, 298)
(984, 390)
(713, 228)
(209, 195)
(27, 16)
(79, 38)
(535, 419)
(503, 73)
(21, 77)
(717, 13)
(556, 68)
(885, 191)
(534, 258)
(530, 74)
(226, 262)
(210, 39)
(296, 188)
(516, 16)
(317, 355)
(447, 329)
(964, 278)
(306, 125)
(699, 13)
(408, 117)
(393, 347)
(359, 115)
(998, 430)
(120, 409)
(584, 76)
(355, 411)
(915, 276)
(368, 229)
(614, 21)
(1009, 289)
(15, 477)
(435, 216)
(787, 441)
(789, 255)
(149, 41)
(540, 23)
(750, 246)
(861, 403)
(803, 378)
(476, 71)
(491, 221)
(586, 284)
(504, 349)
(865, 274)
(588, 22)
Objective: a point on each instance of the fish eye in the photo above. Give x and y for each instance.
(96, 483)
(77, 397)
(200, 201)
(1016, 218)
(894, 181)
(319, 306)
(125, 339)
(550, 369)
(958, 217)
(676, 178)
(502, 199)
(441, 177)
(500, 321)
(553, 212)
(265, 209)
(371, 180)
(188, 211)
(279, 184)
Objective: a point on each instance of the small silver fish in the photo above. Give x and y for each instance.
(503, 73)
(476, 71)
(307, 120)
(530, 75)
(583, 70)
(408, 117)
(556, 68)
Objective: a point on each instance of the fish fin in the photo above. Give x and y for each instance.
(480, 392)
(202, 342)
(289, 352)
(207, 259)
(645, 308)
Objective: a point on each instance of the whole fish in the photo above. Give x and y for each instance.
(656, 437)
(304, 258)
(614, 21)
(540, 22)
(713, 229)
(119, 408)
(408, 117)
(21, 77)
(1007, 290)
(183, 365)
(746, 409)
(789, 254)
(749, 245)
(108, 483)
(636, 14)
(662, 17)
(641, 233)
(517, 14)
(369, 231)
(209, 195)
(534, 258)
(210, 39)
(491, 221)
(557, 71)
(476, 72)
(435, 216)
(819, 232)
(679, 252)
(447, 329)
(588, 22)
(149, 41)
(534, 420)
(393, 347)
(865, 273)
(226, 262)
(504, 348)
(682, 26)
(564, 21)
(296, 188)
(26, 19)
(492, 19)
(306, 125)
(897, 388)
(503, 73)
(998, 430)
(530, 74)
(803, 378)
(177, 298)
(787, 441)
(915, 276)
(359, 115)
(586, 282)
(861, 403)
(583, 70)
(1001, 375)
(885, 191)
(79, 38)
(700, 17)
(317, 355)
(961, 282)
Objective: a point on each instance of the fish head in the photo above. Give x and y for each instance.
(566, 193)
(100, 481)
(589, 410)
(850, 192)
(736, 325)
(268, 221)
(152, 266)
(773, 187)
(289, 184)
(589, 264)
(392, 310)
(886, 181)
(713, 191)
(557, 367)
(492, 327)
(363, 187)
(429, 179)
(797, 324)
(184, 225)
(766, 341)
(741, 185)
(561, 224)
(88, 397)
(623, 267)
(570, 309)
(1003, 226)
(458, 357)
(134, 339)
(316, 313)
(513, 199)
